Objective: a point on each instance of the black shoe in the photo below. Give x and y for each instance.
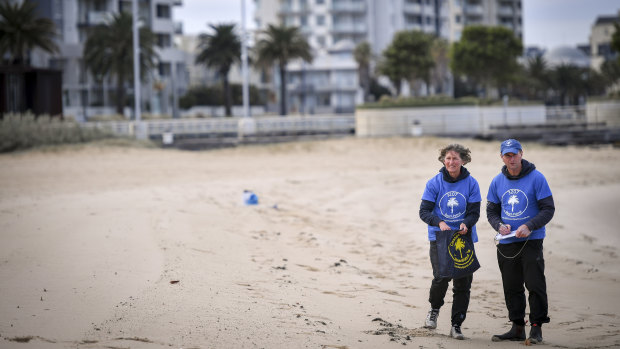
(455, 332)
(516, 333)
(536, 334)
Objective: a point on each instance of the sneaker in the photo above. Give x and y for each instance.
(431, 318)
(455, 332)
(516, 333)
(535, 334)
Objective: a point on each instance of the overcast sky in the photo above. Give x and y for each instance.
(547, 23)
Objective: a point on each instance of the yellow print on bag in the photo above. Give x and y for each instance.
(460, 252)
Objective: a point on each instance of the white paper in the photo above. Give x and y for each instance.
(502, 237)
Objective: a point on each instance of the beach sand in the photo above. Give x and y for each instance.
(108, 247)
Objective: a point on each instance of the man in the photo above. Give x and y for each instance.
(519, 201)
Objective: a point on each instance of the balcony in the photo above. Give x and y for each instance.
(178, 28)
(474, 10)
(508, 25)
(412, 8)
(288, 9)
(505, 11)
(349, 7)
(94, 18)
(349, 28)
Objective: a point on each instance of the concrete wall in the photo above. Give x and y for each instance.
(607, 112)
(465, 120)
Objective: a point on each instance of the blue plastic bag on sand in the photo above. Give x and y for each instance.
(457, 257)
(249, 198)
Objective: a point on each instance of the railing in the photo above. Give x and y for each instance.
(348, 7)
(349, 28)
(232, 126)
(412, 8)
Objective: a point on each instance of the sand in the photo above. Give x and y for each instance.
(108, 247)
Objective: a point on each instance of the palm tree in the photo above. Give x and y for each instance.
(363, 56)
(440, 51)
(451, 203)
(512, 201)
(459, 246)
(21, 31)
(109, 51)
(537, 69)
(219, 51)
(282, 44)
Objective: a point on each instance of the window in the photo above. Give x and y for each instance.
(320, 20)
(163, 40)
(457, 19)
(163, 11)
(164, 69)
(321, 41)
(304, 21)
(320, 2)
(323, 100)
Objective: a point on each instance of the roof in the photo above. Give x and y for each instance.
(565, 55)
(607, 20)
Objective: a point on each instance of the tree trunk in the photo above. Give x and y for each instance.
(120, 93)
(366, 83)
(227, 96)
(283, 110)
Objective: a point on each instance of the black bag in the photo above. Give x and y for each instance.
(456, 254)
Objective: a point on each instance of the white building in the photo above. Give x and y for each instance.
(600, 40)
(82, 96)
(327, 23)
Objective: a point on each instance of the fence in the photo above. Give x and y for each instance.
(596, 122)
(443, 121)
(233, 127)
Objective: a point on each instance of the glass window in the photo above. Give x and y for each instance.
(320, 2)
(163, 11)
(320, 20)
(163, 40)
(164, 69)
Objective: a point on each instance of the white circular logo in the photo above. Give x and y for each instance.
(452, 204)
(514, 202)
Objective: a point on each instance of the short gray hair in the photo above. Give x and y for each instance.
(463, 152)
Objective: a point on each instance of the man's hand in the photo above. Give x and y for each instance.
(504, 229)
(523, 231)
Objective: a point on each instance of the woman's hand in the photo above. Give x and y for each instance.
(444, 226)
(463, 229)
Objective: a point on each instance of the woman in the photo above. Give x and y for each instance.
(451, 201)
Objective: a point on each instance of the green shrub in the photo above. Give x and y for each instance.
(409, 102)
(18, 132)
(437, 101)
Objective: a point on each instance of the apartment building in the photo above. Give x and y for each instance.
(83, 97)
(333, 26)
(600, 40)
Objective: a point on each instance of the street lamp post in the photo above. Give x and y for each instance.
(244, 63)
(136, 69)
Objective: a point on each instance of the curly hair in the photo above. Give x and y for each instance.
(463, 152)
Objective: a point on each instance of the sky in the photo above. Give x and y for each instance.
(546, 23)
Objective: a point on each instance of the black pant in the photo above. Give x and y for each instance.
(528, 268)
(439, 286)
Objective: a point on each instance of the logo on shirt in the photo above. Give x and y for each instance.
(514, 203)
(452, 204)
(461, 251)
